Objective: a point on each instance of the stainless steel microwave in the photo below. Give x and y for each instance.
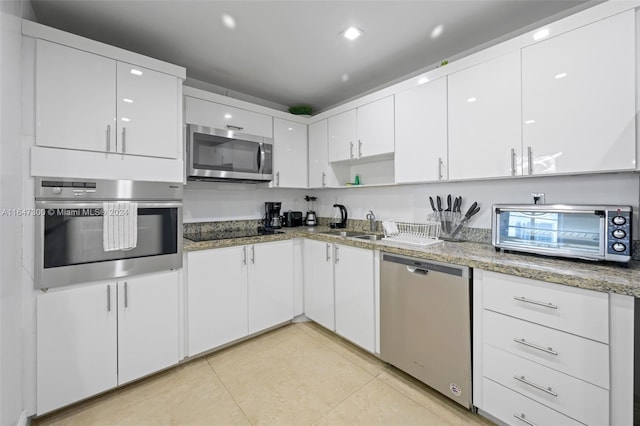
(227, 155)
(593, 232)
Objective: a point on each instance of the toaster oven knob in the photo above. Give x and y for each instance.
(619, 233)
(56, 190)
(619, 220)
(619, 247)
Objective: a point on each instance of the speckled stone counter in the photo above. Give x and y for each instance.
(603, 277)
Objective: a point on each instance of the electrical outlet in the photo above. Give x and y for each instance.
(537, 197)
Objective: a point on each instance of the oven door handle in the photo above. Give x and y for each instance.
(98, 204)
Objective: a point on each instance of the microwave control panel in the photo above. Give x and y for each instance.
(619, 240)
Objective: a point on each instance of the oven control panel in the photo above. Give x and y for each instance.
(619, 240)
(67, 189)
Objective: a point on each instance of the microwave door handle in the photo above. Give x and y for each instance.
(261, 158)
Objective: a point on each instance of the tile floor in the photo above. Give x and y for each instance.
(300, 374)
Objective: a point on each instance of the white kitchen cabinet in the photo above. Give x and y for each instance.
(77, 344)
(319, 169)
(216, 297)
(342, 136)
(289, 154)
(354, 295)
(270, 284)
(147, 112)
(88, 102)
(219, 116)
(93, 337)
(148, 319)
(375, 124)
(75, 98)
(578, 99)
(421, 133)
(484, 106)
(318, 283)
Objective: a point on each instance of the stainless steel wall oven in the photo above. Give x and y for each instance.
(70, 225)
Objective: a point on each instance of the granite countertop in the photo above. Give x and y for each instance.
(599, 276)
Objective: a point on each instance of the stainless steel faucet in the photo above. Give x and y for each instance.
(372, 220)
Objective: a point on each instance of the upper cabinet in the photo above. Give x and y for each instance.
(290, 154)
(421, 133)
(219, 116)
(366, 131)
(578, 99)
(89, 102)
(319, 169)
(484, 119)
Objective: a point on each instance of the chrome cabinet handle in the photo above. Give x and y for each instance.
(439, 168)
(108, 137)
(108, 298)
(336, 259)
(328, 255)
(350, 149)
(124, 140)
(535, 385)
(253, 254)
(530, 160)
(244, 255)
(513, 162)
(548, 350)
(324, 175)
(535, 302)
(230, 127)
(521, 418)
(278, 179)
(126, 295)
(359, 148)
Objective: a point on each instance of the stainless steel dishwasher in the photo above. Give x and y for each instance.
(425, 323)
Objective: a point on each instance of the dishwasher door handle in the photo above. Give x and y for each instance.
(415, 270)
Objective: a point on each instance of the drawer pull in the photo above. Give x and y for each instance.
(535, 302)
(542, 388)
(521, 418)
(548, 350)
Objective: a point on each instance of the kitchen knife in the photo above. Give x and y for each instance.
(449, 205)
(473, 209)
(456, 204)
(433, 206)
(439, 201)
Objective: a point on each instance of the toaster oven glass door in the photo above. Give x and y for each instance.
(574, 233)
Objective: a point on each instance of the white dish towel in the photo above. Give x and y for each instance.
(120, 226)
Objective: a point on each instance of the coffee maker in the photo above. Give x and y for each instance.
(272, 217)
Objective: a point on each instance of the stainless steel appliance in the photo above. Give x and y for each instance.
(291, 219)
(425, 323)
(340, 218)
(310, 218)
(69, 230)
(593, 232)
(228, 155)
(272, 214)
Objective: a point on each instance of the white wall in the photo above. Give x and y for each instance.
(411, 202)
(11, 349)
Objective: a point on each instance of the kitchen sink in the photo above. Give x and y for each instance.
(342, 233)
(371, 237)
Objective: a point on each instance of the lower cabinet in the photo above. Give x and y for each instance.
(236, 291)
(93, 337)
(340, 290)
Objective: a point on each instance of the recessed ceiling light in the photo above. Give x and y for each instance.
(228, 21)
(540, 34)
(345, 77)
(227, 116)
(437, 31)
(561, 75)
(352, 33)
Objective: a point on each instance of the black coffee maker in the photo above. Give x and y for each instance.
(272, 218)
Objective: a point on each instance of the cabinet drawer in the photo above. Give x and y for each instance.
(219, 116)
(515, 409)
(575, 398)
(579, 357)
(570, 309)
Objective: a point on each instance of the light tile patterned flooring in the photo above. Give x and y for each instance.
(300, 374)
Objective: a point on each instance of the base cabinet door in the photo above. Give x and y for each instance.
(216, 297)
(354, 295)
(76, 344)
(148, 336)
(270, 284)
(318, 283)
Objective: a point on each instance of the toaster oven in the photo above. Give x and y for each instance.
(593, 232)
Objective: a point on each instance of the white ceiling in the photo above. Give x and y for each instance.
(291, 52)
